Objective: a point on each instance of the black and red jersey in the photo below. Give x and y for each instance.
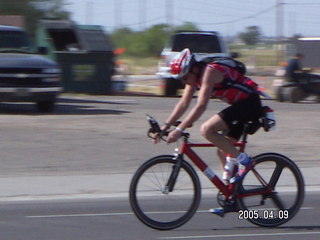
(235, 85)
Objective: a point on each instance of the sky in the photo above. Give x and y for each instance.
(229, 17)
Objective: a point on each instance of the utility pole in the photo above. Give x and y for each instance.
(117, 13)
(292, 24)
(143, 14)
(279, 29)
(89, 12)
(169, 12)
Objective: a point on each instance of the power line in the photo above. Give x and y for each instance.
(139, 23)
(171, 13)
(304, 4)
(242, 18)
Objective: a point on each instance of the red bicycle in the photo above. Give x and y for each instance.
(165, 191)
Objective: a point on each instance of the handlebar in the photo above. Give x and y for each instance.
(155, 129)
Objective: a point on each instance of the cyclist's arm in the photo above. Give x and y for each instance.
(211, 76)
(183, 103)
(180, 108)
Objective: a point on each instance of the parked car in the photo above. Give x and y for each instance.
(197, 42)
(25, 75)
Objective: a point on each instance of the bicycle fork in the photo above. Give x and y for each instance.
(174, 174)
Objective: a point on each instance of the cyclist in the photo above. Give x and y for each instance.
(223, 80)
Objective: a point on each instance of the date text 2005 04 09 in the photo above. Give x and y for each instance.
(265, 214)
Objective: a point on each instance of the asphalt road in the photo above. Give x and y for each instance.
(105, 134)
(90, 147)
(112, 219)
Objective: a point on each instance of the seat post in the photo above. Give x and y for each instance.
(245, 133)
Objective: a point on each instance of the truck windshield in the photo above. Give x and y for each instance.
(14, 40)
(197, 43)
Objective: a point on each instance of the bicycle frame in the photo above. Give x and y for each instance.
(226, 190)
(186, 148)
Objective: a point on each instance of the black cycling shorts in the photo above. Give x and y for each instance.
(238, 114)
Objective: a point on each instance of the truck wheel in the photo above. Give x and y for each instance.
(171, 87)
(295, 94)
(278, 92)
(45, 106)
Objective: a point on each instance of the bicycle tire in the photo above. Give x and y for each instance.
(154, 207)
(283, 202)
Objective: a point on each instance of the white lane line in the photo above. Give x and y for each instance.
(241, 235)
(80, 215)
(102, 214)
(118, 214)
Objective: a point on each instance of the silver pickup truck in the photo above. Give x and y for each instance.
(197, 42)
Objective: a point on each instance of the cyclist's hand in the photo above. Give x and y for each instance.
(173, 136)
(157, 136)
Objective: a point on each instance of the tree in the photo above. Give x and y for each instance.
(187, 26)
(52, 8)
(155, 38)
(142, 44)
(148, 43)
(33, 10)
(251, 36)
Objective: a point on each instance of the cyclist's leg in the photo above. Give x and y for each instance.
(231, 119)
(211, 131)
(236, 116)
(227, 162)
(223, 155)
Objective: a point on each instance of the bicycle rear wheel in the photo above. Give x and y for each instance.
(272, 192)
(151, 201)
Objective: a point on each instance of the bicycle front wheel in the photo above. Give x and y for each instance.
(272, 192)
(154, 204)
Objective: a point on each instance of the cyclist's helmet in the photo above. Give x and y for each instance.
(181, 64)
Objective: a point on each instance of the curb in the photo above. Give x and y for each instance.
(44, 188)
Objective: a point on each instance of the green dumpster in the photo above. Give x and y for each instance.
(84, 53)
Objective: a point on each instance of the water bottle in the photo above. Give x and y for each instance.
(229, 168)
